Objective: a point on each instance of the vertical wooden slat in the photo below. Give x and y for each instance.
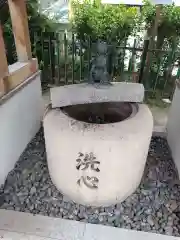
(50, 58)
(3, 64)
(143, 59)
(123, 57)
(80, 61)
(20, 28)
(58, 57)
(42, 66)
(73, 53)
(89, 56)
(65, 57)
(134, 56)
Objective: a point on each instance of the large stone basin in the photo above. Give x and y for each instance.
(97, 151)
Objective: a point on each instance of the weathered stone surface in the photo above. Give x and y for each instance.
(88, 93)
(113, 182)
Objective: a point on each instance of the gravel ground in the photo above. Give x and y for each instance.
(154, 207)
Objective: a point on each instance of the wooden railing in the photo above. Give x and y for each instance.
(13, 75)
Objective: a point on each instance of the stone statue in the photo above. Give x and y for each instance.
(99, 65)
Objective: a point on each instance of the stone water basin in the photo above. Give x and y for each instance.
(97, 146)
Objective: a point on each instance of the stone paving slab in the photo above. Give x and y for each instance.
(41, 226)
(96, 232)
(7, 235)
(17, 226)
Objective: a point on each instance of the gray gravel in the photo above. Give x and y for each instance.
(154, 207)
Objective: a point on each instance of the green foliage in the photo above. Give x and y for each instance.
(9, 41)
(103, 21)
(148, 13)
(37, 22)
(161, 63)
(169, 24)
(171, 19)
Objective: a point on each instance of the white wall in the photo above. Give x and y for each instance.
(20, 119)
(173, 128)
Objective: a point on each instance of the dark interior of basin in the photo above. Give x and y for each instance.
(99, 113)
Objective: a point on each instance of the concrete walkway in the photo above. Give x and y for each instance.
(24, 226)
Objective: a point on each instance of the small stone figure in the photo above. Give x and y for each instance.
(99, 72)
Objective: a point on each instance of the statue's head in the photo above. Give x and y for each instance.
(102, 47)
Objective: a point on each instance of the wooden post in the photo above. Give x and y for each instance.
(156, 23)
(154, 33)
(70, 15)
(3, 64)
(20, 28)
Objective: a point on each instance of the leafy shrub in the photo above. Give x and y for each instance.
(169, 20)
(111, 23)
(37, 22)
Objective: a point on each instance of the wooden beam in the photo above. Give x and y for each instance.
(3, 59)
(20, 29)
(152, 38)
(156, 22)
(19, 72)
(3, 64)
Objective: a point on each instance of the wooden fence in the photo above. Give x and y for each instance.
(66, 60)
